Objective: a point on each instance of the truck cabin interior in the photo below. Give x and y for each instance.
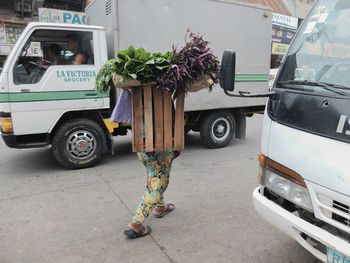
(47, 48)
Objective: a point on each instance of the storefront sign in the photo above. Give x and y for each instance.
(13, 32)
(283, 31)
(285, 21)
(279, 49)
(282, 35)
(5, 49)
(61, 16)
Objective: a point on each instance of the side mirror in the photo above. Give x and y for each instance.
(228, 70)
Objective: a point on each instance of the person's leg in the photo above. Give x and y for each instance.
(156, 183)
(165, 159)
(163, 209)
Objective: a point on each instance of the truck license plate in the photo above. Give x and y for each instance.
(334, 256)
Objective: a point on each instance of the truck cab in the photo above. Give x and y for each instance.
(304, 169)
(43, 103)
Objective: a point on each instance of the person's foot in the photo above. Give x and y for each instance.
(137, 230)
(161, 212)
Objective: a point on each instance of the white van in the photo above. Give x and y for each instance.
(304, 161)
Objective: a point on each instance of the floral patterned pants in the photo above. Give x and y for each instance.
(158, 166)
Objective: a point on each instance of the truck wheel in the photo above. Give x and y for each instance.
(217, 129)
(79, 143)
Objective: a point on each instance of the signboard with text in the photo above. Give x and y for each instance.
(285, 21)
(279, 49)
(61, 16)
(283, 31)
(34, 50)
(9, 33)
(5, 49)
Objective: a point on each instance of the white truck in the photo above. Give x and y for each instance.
(304, 163)
(43, 104)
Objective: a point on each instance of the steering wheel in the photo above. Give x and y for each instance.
(37, 72)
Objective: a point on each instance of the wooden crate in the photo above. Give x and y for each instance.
(152, 114)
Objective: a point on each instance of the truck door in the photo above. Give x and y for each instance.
(44, 82)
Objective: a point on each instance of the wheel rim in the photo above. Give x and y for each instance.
(81, 144)
(220, 129)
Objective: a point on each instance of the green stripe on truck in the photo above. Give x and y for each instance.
(252, 77)
(50, 96)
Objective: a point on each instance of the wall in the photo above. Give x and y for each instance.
(298, 8)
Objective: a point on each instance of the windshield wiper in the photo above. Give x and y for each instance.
(337, 86)
(327, 86)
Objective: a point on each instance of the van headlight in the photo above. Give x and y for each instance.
(284, 182)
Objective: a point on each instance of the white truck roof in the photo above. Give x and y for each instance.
(65, 26)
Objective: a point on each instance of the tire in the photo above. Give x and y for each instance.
(87, 133)
(217, 129)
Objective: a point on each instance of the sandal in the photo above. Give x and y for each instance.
(169, 208)
(131, 233)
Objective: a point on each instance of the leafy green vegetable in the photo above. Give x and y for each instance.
(104, 76)
(176, 70)
(132, 64)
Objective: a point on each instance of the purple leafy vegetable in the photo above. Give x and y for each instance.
(190, 64)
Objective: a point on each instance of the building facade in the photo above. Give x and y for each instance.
(16, 14)
(294, 8)
(298, 8)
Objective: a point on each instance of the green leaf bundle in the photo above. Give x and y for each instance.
(134, 64)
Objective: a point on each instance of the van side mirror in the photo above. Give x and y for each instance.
(228, 77)
(228, 70)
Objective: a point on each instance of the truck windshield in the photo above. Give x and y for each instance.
(319, 59)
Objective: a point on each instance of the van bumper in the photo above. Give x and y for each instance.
(25, 141)
(9, 139)
(294, 226)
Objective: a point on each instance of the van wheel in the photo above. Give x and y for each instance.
(79, 143)
(217, 129)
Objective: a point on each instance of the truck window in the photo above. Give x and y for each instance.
(46, 48)
(321, 51)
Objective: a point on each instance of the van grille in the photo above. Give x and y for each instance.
(343, 208)
(336, 213)
(108, 7)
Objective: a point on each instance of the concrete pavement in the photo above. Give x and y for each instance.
(49, 214)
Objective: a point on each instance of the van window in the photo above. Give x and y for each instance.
(321, 52)
(46, 48)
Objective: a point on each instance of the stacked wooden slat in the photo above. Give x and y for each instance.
(153, 126)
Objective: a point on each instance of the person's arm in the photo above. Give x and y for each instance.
(79, 59)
